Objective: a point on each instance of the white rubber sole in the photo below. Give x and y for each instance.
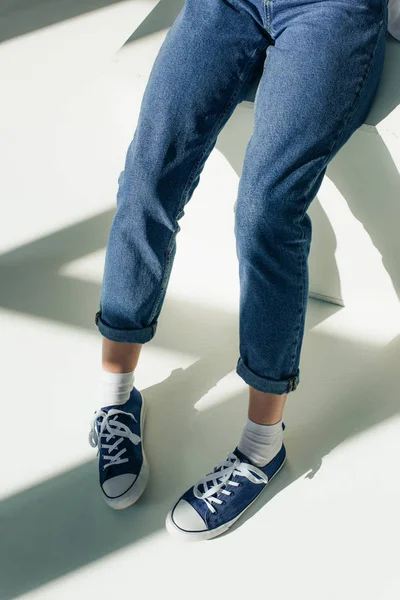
(137, 489)
(196, 536)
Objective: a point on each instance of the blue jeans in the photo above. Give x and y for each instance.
(320, 63)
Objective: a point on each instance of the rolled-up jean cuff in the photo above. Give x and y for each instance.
(265, 384)
(130, 336)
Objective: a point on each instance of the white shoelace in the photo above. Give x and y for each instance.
(220, 478)
(110, 428)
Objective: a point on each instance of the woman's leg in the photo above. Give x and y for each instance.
(120, 357)
(204, 67)
(319, 80)
(209, 58)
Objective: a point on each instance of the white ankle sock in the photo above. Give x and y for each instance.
(115, 388)
(261, 443)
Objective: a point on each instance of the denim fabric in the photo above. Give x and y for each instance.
(319, 63)
(241, 497)
(133, 451)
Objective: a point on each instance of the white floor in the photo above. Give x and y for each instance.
(327, 527)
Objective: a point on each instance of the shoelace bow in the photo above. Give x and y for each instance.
(109, 428)
(220, 478)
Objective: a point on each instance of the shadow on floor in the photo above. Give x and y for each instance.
(62, 524)
(24, 16)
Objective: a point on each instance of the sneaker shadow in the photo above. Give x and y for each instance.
(62, 524)
(317, 426)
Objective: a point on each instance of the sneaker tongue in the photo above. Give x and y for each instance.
(241, 456)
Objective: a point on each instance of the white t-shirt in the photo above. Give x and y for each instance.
(394, 18)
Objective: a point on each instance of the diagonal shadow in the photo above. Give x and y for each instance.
(374, 200)
(19, 17)
(161, 17)
(32, 284)
(62, 524)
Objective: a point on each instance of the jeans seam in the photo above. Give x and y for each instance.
(271, 14)
(194, 172)
(357, 97)
(164, 280)
(266, 15)
(327, 159)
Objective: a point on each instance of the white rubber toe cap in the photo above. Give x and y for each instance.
(187, 518)
(116, 486)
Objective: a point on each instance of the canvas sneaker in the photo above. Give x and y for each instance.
(117, 432)
(212, 505)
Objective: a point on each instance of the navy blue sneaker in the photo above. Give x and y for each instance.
(117, 432)
(213, 505)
